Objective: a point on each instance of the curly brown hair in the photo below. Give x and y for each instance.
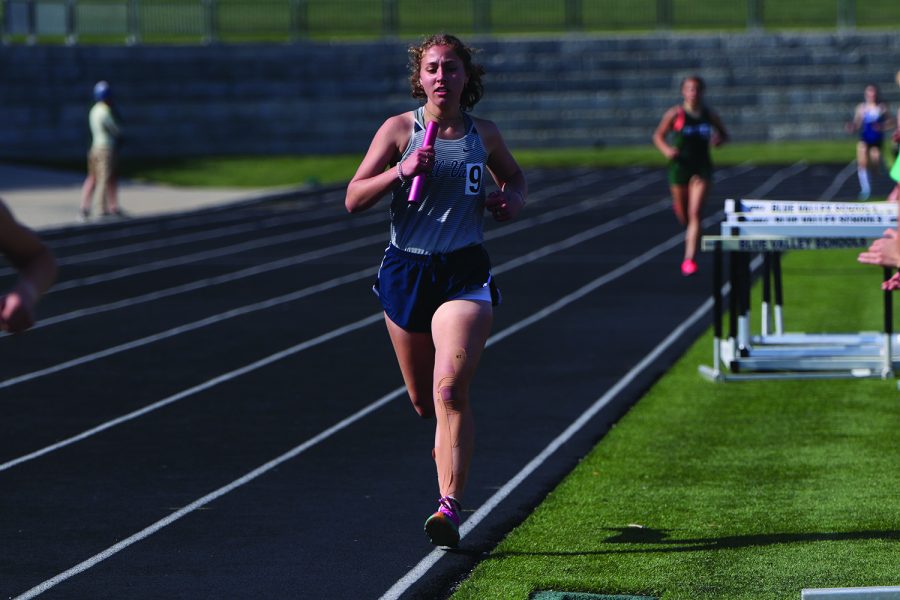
(474, 88)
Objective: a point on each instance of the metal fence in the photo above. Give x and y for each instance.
(207, 21)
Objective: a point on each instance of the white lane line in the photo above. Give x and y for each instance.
(201, 502)
(203, 284)
(225, 377)
(512, 264)
(184, 259)
(838, 182)
(185, 238)
(777, 178)
(173, 222)
(584, 236)
(268, 222)
(187, 327)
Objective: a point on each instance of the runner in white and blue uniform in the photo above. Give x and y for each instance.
(435, 282)
(871, 119)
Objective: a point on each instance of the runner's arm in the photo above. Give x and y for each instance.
(659, 136)
(37, 271)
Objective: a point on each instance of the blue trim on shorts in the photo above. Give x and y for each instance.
(411, 287)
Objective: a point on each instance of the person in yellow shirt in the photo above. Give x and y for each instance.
(105, 134)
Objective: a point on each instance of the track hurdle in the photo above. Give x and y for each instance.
(769, 228)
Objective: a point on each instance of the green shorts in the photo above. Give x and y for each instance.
(680, 172)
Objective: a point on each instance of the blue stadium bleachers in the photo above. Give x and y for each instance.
(313, 97)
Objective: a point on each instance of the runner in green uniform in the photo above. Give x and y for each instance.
(694, 127)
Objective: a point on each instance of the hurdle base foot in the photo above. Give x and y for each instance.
(855, 593)
(710, 373)
(722, 376)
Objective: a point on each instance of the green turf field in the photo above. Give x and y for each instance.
(750, 490)
(266, 171)
(192, 21)
(274, 171)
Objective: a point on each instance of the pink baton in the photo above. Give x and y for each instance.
(419, 180)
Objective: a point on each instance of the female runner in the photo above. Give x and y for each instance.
(695, 127)
(435, 281)
(870, 119)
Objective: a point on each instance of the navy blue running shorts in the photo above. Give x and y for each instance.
(411, 287)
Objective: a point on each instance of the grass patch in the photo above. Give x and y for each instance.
(168, 21)
(274, 171)
(821, 152)
(245, 171)
(729, 491)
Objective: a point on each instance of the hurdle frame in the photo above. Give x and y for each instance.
(775, 354)
(851, 593)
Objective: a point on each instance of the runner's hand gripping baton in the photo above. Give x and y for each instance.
(419, 180)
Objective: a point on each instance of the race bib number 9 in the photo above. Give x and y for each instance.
(474, 172)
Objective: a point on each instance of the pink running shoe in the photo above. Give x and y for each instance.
(688, 267)
(442, 528)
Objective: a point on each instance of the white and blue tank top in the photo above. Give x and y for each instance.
(873, 118)
(450, 214)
